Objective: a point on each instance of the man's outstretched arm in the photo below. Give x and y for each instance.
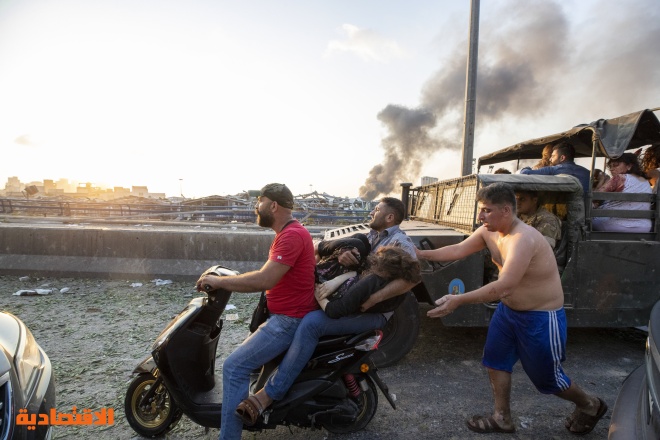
(390, 290)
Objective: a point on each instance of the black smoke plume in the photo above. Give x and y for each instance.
(526, 49)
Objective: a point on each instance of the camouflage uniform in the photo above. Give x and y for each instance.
(548, 224)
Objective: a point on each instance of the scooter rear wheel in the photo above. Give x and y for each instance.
(367, 402)
(155, 418)
(399, 334)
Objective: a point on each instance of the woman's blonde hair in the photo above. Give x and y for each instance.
(392, 262)
(651, 158)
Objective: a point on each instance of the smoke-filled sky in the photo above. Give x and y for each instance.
(345, 97)
(543, 67)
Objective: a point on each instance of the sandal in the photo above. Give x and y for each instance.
(569, 419)
(249, 410)
(484, 425)
(585, 422)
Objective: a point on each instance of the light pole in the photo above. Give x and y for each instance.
(470, 89)
(181, 188)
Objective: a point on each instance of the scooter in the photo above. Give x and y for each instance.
(336, 390)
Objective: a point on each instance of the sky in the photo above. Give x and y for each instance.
(349, 98)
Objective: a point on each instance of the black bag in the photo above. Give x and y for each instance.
(260, 314)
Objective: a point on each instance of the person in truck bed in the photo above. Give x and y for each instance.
(563, 162)
(530, 211)
(545, 158)
(627, 177)
(650, 164)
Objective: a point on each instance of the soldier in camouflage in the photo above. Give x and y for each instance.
(531, 212)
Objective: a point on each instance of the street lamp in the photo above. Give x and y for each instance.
(181, 188)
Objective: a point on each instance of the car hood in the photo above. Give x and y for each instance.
(5, 363)
(10, 333)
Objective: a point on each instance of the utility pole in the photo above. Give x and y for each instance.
(471, 89)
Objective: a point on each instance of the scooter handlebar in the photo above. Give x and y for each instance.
(220, 271)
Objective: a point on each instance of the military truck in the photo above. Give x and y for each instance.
(610, 279)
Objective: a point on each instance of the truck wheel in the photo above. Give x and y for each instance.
(400, 333)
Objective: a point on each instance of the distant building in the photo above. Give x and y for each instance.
(120, 192)
(87, 190)
(426, 180)
(49, 187)
(13, 185)
(140, 191)
(65, 186)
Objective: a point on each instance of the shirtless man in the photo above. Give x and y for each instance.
(529, 323)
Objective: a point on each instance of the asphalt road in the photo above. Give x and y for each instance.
(97, 332)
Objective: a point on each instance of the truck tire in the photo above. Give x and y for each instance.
(400, 333)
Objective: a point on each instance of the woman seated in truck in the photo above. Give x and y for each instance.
(650, 164)
(627, 177)
(600, 179)
(343, 305)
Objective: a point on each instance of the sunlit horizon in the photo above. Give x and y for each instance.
(72, 185)
(214, 97)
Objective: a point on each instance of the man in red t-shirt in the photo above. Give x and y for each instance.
(288, 279)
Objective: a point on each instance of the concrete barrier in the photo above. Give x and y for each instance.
(130, 251)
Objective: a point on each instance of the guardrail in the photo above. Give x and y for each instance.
(449, 203)
(161, 211)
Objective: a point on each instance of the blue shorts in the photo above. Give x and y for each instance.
(537, 338)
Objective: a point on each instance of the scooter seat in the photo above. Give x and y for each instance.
(327, 341)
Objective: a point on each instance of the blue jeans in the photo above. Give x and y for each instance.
(270, 340)
(314, 325)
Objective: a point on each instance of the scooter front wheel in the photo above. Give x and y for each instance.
(152, 418)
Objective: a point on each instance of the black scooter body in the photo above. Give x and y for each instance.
(183, 361)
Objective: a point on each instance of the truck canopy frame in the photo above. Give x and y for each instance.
(608, 138)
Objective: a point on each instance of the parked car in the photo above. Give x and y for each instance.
(636, 413)
(27, 381)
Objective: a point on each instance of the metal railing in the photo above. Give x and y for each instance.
(449, 203)
(168, 211)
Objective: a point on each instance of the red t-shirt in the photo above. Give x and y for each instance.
(293, 295)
